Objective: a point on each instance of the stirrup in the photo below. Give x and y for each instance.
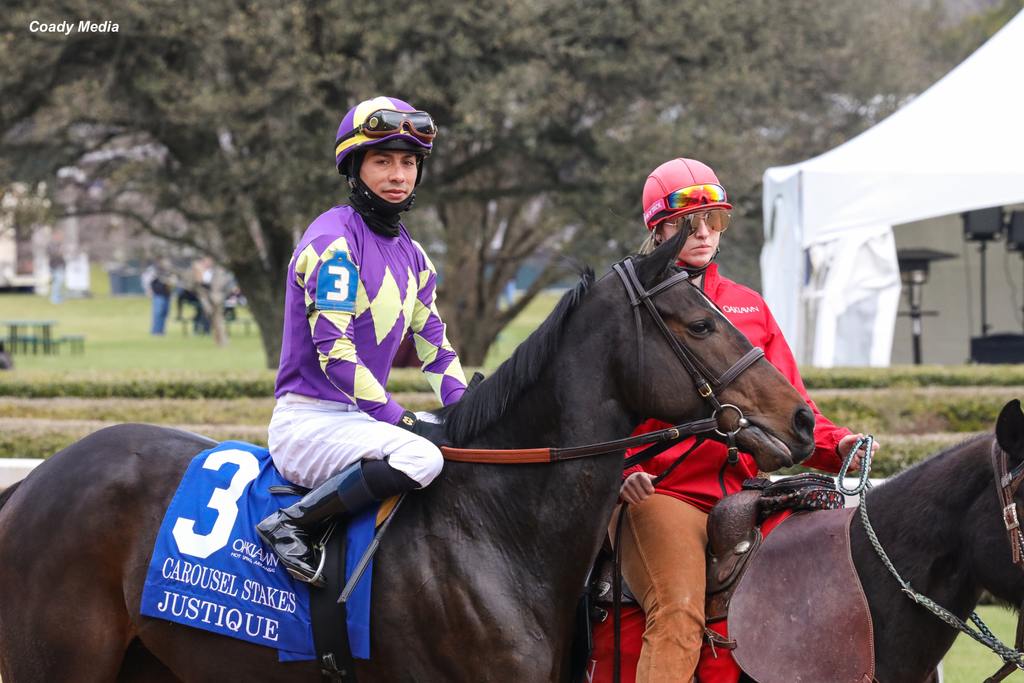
(317, 579)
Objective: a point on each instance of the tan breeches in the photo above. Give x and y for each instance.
(663, 544)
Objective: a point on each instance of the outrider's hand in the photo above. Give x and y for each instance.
(847, 442)
(637, 488)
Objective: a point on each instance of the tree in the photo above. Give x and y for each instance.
(550, 115)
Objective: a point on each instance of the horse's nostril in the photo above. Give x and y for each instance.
(803, 422)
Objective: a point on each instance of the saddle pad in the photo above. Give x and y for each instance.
(209, 569)
(799, 614)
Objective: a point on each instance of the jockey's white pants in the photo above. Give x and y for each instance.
(312, 439)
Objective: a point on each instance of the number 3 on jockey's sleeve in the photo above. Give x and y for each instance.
(337, 283)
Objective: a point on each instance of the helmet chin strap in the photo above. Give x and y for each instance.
(697, 271)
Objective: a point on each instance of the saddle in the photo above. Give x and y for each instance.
(799, 613)
(734, 533)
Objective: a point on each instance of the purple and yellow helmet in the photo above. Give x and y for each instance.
(383, 123)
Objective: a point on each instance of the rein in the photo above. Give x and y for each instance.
(668, 436)
(1007, 483)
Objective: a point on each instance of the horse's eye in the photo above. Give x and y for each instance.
(701, 328)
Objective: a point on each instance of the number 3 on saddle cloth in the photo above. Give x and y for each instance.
(795, 609)
(209, 569)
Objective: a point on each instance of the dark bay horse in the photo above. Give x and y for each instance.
(941, 524)
(479, 575)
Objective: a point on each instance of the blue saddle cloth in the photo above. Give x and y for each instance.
(211, 571)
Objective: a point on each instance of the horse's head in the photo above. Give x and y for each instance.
(658, 382)
(987, 530)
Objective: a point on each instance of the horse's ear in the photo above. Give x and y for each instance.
(1010, 430)
(652, 267)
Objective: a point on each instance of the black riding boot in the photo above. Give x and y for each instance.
(287, 531)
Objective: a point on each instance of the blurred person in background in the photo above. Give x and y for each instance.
(58, 269)
(156, 280)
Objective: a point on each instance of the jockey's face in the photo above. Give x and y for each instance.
(390, 174)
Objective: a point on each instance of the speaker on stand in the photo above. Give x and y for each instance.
(983, 226)
(1015, 238)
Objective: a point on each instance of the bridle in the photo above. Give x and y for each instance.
(1007, 483)
(703, 379)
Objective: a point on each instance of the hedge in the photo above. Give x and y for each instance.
(260, 383)
(897, 452)
(209, 411)
(140, 384)
(40, 439)
(917, 411)
(892, 411)
(914, 376)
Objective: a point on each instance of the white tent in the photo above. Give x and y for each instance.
(828, 266)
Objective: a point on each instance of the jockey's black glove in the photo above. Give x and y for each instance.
(431, 431)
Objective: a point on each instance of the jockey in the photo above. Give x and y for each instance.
(664, 534)
(358, 284)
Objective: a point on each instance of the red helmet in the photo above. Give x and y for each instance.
(681, 186)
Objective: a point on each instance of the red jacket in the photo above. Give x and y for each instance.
(704, 477)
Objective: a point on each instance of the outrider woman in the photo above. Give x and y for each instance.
(664, 534)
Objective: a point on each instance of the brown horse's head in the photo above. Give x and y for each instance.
(781, 426)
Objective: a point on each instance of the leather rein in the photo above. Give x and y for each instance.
(659, 440)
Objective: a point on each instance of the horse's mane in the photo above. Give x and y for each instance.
(484, 404)
(915, 470)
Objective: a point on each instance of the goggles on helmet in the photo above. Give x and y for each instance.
(687, 198)
(716, 219)
(384, 122)
(695, 195)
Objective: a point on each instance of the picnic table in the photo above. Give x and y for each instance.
(25, 334)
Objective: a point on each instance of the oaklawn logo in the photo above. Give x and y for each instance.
(741, 309)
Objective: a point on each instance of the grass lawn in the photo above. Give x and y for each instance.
(970, 662)
(516, 331)
(117, 336)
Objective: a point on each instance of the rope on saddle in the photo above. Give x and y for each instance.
(982, 633)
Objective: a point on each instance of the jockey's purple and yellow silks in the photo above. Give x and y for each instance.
(352, 297)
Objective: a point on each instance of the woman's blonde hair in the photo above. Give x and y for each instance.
(651, 243)
(648, 245)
